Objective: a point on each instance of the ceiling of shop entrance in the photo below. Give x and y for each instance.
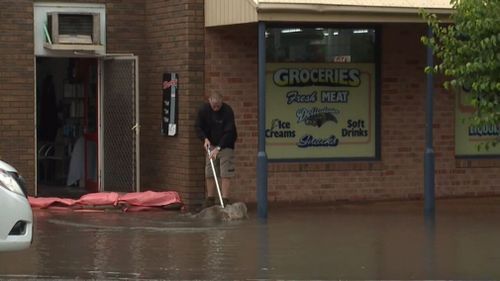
(229, 12)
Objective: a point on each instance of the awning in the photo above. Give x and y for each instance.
(229, 12)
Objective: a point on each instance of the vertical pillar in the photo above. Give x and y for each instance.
(261, 155)
(429, 198)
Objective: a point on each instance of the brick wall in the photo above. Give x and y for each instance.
(125, 29)
(168, 35)
(175, 34)
(16, 87)
(231, 68)
(231, 56)
(403, 100)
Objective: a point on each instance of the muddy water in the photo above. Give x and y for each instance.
(342, 241)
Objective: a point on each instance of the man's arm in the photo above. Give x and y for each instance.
(229, 127)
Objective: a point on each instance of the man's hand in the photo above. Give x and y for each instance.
(206, 144)
(213, 153)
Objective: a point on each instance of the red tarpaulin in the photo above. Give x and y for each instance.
(137, 201)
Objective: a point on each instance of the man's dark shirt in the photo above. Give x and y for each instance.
(217, 126)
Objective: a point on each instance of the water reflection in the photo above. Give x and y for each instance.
(430, 244)
(215, 254)
(263, 249)
(391, 240)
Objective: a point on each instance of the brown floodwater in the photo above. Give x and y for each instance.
(385, 240)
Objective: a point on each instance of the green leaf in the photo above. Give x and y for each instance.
(468, 55)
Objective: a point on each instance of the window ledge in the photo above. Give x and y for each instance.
(75, 47)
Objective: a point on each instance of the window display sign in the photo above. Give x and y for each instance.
(320, 110)
(468, 137)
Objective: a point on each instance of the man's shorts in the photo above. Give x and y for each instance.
(224, 164)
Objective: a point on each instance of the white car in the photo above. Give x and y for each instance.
(16, 216)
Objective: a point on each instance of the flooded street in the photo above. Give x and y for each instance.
(388, 240)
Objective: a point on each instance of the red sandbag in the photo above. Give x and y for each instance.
(45, 202)
(150, 198)
(137, 201)
(99, 199)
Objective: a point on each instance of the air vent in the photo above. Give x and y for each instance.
(67, 28)
(73, 31)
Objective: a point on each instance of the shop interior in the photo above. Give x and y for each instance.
(66, 109)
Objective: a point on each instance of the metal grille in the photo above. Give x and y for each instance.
(118, 121)
(76, 24)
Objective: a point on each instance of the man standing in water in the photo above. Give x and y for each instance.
(216, 127)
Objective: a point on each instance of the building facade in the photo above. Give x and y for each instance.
(345, 100)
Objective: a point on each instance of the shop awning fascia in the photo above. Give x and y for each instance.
(230, 12)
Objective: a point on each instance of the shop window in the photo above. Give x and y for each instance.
(470, 140)
(321, 93)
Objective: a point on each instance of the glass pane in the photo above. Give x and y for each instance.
(320, 45)
(91, 161)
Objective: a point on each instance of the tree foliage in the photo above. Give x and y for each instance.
(468, 54)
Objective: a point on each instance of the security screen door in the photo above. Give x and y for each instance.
(119, 124)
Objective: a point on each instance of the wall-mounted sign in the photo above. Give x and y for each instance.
(320, 110)
(468, 137)
(169, 104)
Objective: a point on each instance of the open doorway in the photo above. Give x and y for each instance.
(67, 135)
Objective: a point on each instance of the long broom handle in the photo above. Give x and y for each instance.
(215, 178)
